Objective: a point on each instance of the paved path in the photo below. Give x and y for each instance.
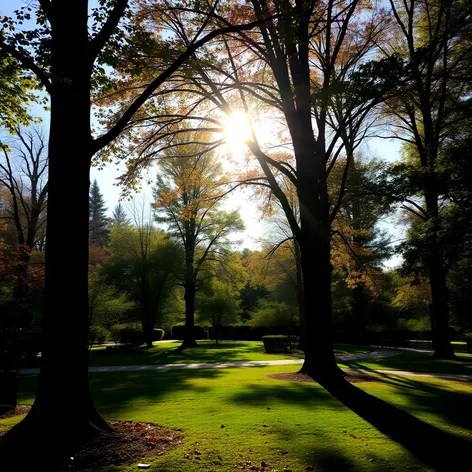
(215, 365)
(408, 373)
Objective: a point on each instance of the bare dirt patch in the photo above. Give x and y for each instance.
(297, 377)
(291, 376)
(128, 443)
(19, 410)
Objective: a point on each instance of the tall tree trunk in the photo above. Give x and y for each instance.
(315, 249)
(189, 333)
(63, 414)
(300, 295)
(440, 310)
(437, 275)
(189, 297)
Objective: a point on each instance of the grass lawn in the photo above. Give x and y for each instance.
(237, 415)
(167, 353)
(416, 362)
(286, 424)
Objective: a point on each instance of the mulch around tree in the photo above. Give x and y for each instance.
(297, 377)
(19, 410)
(128, 443)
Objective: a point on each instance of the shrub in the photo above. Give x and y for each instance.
(98, 334)
(115, 332)
(158, 334)
(131, 334)
(276, 343)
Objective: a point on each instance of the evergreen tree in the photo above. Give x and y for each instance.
(119, 217)
(98, 225)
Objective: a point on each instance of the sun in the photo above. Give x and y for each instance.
(237, 128)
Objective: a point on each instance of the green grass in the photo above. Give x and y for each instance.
(286, 424)
(167, 353)
(445, 404)
(416, 362)
(458, 346)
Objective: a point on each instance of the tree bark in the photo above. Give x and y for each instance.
(189, 298)
(315, 250)
(190, 288)
(300, 295)
(63, 414)
(440, 309)
(437, 274)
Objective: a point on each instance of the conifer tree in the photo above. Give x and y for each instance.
(98, 226)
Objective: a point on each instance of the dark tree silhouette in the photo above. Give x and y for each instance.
(62, 53)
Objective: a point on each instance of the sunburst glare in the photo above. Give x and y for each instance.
(237, 129)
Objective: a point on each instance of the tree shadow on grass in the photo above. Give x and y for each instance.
(434, 447)
(417, 362)
(452, 406)
(431, 445)
(114, 394)
(170, 354)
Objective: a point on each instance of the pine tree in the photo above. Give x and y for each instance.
(119, 217)
(98, 222)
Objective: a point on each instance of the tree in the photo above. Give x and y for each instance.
(187, 195)
(254, 289)
(98, 223)
(107, 305)
(279, 315)
(23, 173)
(220, 307)
(358, 246)
(218, 301)
(413, 297)
(17, 92)
(145, 265)
(432, 37)
(291, 68)
(119, 217)
(64, 53)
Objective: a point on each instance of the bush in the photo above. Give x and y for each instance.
(131, 334)
(158, 334)
(98, 334)
(276, 343)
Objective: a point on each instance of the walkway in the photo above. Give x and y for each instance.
(219, 365)
(408, 373)
(222, 365)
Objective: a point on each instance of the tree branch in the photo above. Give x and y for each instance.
(99, 41)
(26, 62)
(114, 132)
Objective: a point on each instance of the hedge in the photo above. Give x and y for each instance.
(277, 343)
(131, 334)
